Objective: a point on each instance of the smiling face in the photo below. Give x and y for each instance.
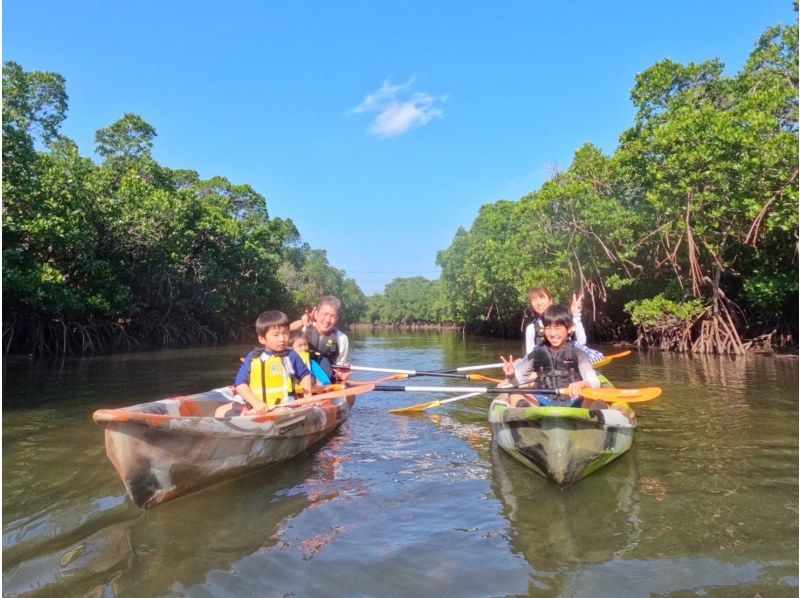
(275, 338)
(326, 319)
(556, 335)
(539, 303)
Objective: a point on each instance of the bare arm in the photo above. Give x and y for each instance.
(248, 395)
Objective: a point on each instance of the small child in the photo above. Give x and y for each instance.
(556, 363)
(540, 299)
(270, 375)
(302, 346)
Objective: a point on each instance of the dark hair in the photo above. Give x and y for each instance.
(539, 291)
(297, 334)
(555, 315)
(271, 319)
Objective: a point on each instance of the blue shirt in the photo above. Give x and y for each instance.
(243, 375)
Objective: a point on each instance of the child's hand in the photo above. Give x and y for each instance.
(575, 389)
(508, 367)
(577, 304)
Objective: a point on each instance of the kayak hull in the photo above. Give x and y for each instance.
(563, 444)
(169, 448)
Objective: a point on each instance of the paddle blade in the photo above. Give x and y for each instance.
(629, 395)
(609, 358)
(415, 408)
(482, 378)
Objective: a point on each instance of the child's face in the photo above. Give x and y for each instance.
(556, 335)
(300, 344)
(539, 303)
(275, 339)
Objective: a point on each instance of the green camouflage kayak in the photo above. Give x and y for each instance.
(564, 444)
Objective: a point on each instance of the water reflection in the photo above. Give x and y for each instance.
(704, 502)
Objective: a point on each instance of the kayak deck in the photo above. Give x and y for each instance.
(563, 444)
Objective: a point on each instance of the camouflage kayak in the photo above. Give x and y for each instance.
(168, 448)
(563, 444)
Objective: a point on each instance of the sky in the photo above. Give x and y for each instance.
(378, 127)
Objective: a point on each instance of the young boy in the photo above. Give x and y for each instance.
(269, 376)
(555, 364)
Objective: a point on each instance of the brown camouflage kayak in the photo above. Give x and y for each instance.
(168, 448)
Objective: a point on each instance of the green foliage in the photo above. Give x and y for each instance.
(701, 194)
(413, 300)
(307, 276)
(662, 312)
(159, 254)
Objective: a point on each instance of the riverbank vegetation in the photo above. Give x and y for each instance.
(685, 237)
(124, 252)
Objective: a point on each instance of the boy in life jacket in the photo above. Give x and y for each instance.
(270, 375)
(540, 299)
(556, 364)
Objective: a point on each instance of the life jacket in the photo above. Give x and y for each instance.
(538, 332)
(555, 370)
(306, 357)
(272, 379)
(324, 349)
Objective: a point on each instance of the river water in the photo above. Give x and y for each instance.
(705, 503)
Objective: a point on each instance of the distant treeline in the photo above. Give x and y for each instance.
(686, 237)
(127, 253)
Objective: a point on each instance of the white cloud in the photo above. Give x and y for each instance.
(399, 109)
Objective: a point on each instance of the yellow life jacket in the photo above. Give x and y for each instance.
(271, 378)
(306, 357)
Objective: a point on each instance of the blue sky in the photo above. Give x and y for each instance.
(378, 127)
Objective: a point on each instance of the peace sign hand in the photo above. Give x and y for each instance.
(577, 304)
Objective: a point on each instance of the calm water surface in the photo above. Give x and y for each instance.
(705, 503)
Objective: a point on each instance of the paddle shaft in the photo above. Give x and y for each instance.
(472, 389)
(430, 404)
(440, 373)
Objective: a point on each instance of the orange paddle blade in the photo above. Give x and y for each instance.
(416, 408)
(609, 358)
(629, 395)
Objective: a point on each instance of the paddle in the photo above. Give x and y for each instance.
(629, 395)
(339, 391)
(402, 374)
(467, 368)
(609, 358)
(632, 395)
(432, 404)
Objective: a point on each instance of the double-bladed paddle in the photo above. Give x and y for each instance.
(404, 374)
(609, 395)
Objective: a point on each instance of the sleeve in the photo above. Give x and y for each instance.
(580, 333)
(530, 338)
(587, 372)
(523, 368)
(298, 365)
(243, 375)
(344, 349)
